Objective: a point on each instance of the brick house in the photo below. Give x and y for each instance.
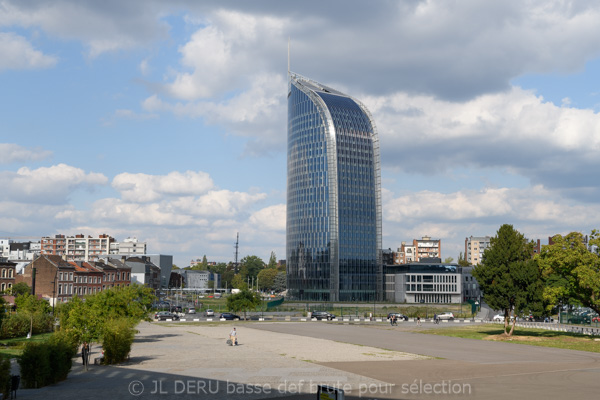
(54, 278)
(7, 275)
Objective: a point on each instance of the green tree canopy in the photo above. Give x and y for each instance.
(266, 278)
(280, 282)
(251, 266)
(461, 260)
(508, 276)
(272, 261)
(245, 300)
(30, 304)
(86, 320)
(20, 288)
(569, 262)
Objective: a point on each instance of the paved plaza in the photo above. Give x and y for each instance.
(288, 359)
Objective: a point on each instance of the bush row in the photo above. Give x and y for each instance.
(46, 363)
(18, 325)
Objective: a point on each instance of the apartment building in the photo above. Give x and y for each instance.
(427, 247)
(78, 247)
(129, 246)
(474, 248)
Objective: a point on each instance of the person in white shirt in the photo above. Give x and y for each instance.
(233, 337)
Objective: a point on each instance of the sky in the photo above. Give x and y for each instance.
(167, 121)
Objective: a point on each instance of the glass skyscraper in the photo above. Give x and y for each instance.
(333, 249)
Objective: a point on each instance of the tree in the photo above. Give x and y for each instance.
(238, 282)
(251, 266)
(280, 282)
(508, 276)
(204, 263)
(243, 301)
(461, 260)
(569, 262)
(93, 319)
(220, 268)
(272, 261)
(448, 260)
(266, 278)
(20, 288)
(174, 267)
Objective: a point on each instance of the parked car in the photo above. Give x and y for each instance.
(596, 319)
(175, 309)
(191, 310)
(399, 316)
(229, 316)
(159, 313)
(582, 318)
(446, 316)
(319, 315)
(168, 315)
(498, 318)
(209, 313)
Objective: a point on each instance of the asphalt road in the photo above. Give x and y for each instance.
(467, 368)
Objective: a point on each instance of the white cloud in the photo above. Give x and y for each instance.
(270, 218)
(226, 52)
(537, 212)
(257, 112)
(101, 26)
(14, 153)
(46, 185)
(18, 53)
(514, 130)
(141, 188)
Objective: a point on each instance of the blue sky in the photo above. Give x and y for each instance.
(167, 122)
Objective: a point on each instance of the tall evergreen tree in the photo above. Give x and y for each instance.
(509, 276)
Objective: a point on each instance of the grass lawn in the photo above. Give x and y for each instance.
(14, 347)
(534, 337)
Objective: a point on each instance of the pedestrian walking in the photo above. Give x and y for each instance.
(233, 337)
(85, 351)
(418, 321)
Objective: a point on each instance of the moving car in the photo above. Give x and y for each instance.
(191, 310)
(446, 316)
(209, 313)
(399, 316)
(498, 318)
(229, 316)
(319, 315)
(165, 315)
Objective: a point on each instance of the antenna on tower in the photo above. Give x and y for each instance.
(237, 246)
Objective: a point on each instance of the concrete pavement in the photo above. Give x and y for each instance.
(287, 360)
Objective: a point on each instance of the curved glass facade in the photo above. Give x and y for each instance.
(333, 196)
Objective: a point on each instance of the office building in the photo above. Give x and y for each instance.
(425, 282)
(333, 237)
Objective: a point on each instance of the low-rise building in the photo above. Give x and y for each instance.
(423, 283)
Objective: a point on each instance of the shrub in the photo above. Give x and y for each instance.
(15, 325)
(19, 324)
(48, 362)
(117, 339)
(5, 377)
